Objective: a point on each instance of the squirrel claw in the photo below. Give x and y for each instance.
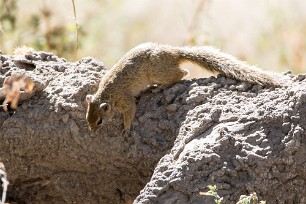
(126, 132)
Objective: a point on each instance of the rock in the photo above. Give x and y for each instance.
(241, 137)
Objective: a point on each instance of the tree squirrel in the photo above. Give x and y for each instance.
(149, 64)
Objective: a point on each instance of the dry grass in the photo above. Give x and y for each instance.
(5, 183)
(269, 34)
(13, 86)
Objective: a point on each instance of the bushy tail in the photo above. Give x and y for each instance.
(227, 65)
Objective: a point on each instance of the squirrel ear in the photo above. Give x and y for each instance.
(105, 106)
(89, 98)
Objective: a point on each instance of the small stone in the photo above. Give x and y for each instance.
(61, 68)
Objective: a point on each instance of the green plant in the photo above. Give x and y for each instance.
(40, 29)
(8, 10)
(250, 199)
(213, 192)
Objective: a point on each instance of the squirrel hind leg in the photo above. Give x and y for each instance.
(171, 77)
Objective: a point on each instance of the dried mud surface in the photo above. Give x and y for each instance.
(241, 137)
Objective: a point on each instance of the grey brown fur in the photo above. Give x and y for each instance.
(151, 63)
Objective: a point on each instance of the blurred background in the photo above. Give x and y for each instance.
(270, 34)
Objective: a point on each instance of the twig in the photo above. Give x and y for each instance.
(77, 29)
(5, 183)
(194, 22)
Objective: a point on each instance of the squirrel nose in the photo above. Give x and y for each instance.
(93, 129)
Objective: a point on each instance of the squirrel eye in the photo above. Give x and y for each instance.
(105, 106)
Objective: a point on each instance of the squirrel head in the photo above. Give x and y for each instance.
(97, 112)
